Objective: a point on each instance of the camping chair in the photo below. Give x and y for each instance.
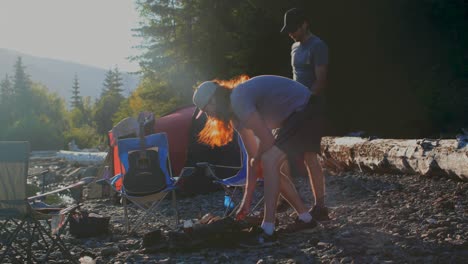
(146, 190)
(233, 184)
(127, 128)
(22, 226)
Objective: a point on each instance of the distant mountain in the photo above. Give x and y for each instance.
(58, 75)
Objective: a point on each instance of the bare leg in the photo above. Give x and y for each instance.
(288, 190)
(316, 177)
(276, 182)
(290, 194)
(271, 160)
(284, 169)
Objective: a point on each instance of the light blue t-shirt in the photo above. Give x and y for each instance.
(273, 97)
(305, 57)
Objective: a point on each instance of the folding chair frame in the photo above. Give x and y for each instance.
(32, 228)
(16, 210)
(232, 184)
(149, 211)
(171, 181)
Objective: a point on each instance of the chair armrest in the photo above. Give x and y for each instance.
(82, 182)
(186, 171)
(70, 209)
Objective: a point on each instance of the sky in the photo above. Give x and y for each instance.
(90, 32)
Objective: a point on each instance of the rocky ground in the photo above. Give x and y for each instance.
(376, 219)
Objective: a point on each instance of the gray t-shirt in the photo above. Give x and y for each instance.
(273, 97)
(305, 57)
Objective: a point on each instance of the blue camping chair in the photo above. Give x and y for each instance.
(233, 184)
(148, 187)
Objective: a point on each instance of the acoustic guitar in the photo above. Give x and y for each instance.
(144, 175)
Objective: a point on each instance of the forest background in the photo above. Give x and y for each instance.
(398, 69)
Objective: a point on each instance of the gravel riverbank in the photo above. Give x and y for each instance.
(376, 219)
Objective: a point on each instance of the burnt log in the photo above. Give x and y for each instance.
(403, 156)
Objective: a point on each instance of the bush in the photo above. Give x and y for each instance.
(85, 137)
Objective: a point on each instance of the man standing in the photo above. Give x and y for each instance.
(309, 61)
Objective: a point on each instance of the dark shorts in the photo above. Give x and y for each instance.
(302, 131)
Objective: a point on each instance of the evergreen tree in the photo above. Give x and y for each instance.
(193, 40)
(112, 82)
(87, 110)
(21, 90)
(76, 100)
(6, 95)
(117, 83)
(109, 102)
(169, 43)
(389, 60)
(6, 90)
(107, 83)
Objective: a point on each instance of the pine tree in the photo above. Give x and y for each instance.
(6, 90)
(113, 82)
(21, 90)
(192, 40)
(6, 103)
(109, 102)
(76, 101)
(116, 81)
(169, 37)
(107, 83)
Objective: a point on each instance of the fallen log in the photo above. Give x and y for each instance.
(83, 157)
(407, 156)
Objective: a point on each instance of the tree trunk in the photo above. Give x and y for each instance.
(420, 156)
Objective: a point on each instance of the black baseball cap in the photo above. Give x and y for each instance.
(293, 19)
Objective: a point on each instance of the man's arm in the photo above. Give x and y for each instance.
(321, 79)
(251, 146)
(256, 123)
(256, 128)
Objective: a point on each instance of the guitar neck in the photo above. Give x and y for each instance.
(142, 139)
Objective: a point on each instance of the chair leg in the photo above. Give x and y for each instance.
(127, 224)
(3, 227)
(29, 249)
(34, 231)
(231, 194)
(56, 242)
(258, 203)
(27, 228)
(11, 239)
(174, 205)
(228, 211)
(33, 226)
(148, 211)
